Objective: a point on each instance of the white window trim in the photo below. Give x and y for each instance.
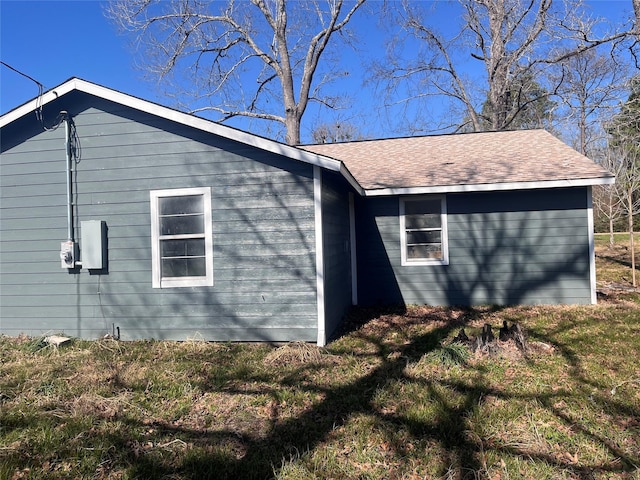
(445, 233)
(157, 280)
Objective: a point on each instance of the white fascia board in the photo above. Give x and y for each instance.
(174, 115)
(351, 179)
(34, 104)
(490, 187)
(211, 127)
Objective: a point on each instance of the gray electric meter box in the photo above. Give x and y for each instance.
(93, 244)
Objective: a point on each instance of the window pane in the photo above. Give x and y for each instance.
(184, 267)
(192, 247)
(430, 220)
(423, 235)
(181, 205)
(182, 225)
(419, 252)
(433, 236)
(182, 237)
(422, 206)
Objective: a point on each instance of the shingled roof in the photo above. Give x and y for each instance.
(471, 161)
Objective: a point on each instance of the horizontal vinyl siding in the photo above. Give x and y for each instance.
(504, 248)
(263, 232)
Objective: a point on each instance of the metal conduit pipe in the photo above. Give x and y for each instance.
(67, 144)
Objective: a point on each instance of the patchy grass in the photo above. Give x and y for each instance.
(613, 264)
(385, 400)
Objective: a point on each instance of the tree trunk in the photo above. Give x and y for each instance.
(292, 124)
(631, 242)
(583, 131)
(611, 239)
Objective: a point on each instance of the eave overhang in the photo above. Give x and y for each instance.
(488, 187)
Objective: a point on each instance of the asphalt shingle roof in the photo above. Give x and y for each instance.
(461, 159)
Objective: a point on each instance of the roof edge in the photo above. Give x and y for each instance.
(306, 146)
(177, 116)
(35, 103)
(490, 187)
(298, 153)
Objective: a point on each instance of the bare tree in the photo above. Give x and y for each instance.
(590, 87)
(609, 200)
(538, 112)
(628, 183)
(624, 146)
(220, 44)
(513, 39)
(336, 132)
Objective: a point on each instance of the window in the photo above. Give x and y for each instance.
(181, 236)
(423, 231)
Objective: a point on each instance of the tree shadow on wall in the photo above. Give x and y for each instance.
(497, 254)
(263, 246)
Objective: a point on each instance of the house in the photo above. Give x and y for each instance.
(121, 216)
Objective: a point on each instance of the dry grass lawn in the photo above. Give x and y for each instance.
(382, 401)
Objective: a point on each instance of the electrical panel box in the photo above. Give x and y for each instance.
(68, 254)
(93, 239)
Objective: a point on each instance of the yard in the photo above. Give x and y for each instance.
(385, 400)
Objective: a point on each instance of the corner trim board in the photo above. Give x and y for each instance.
(354, 253)
(317, 207)
(592, 248)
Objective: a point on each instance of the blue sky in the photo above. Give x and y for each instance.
(54, 40)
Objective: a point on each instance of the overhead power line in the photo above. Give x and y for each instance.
(38, 110)
(40, 86)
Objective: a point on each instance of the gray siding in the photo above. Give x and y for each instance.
(528, 247)
(336, 249)
(263, 231)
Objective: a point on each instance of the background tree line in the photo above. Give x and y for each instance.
(498, 64)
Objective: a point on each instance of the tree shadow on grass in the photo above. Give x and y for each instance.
(260, 456)
(619, 261)
(374, 393)
(449, 429)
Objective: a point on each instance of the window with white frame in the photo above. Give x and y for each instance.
(423, 230)
(181, 236)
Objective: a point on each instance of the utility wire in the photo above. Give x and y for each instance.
(39, 114)
(40, 86)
